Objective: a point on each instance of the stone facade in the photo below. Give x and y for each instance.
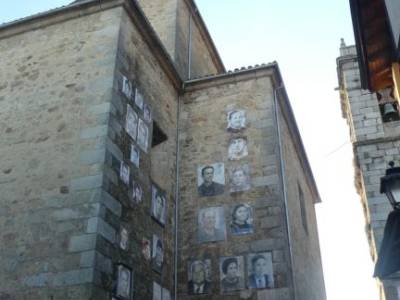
(70, 216)
(375, 144)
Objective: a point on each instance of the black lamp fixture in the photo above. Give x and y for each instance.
(388, 261)
(390, 185)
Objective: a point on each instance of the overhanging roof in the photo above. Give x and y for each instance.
(374, 43)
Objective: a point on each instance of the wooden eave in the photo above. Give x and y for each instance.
(374, 43)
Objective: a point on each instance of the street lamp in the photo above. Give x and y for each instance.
(388, 261)
(390, 185)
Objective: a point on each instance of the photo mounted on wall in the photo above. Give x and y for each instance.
(138, 99)
(137, 193)
(123, 288)
(157, 259)
(135, 155)
(259, 271)
(123, 238)
(231, 274)
(166, 295)
(147, 114)
(210, 179)
(199, 274)
(236, 120)
(239, 179)
(242, 219)
(158, 204)
(211, 225)
(143, 135)
(237, 148)
(124, 173)
(131, 122)
(157, 291)
(127, 88)
(146, 249)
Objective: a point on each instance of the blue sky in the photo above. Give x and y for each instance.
(304, 38)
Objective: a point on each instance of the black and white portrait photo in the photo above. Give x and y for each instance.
(158, 204)
(232, 274)
(143, 135)
(124, 173)
(147, 115)
(157, 291)
(138, 99)
(135, 155)
(124, 282)
(127, 88)
(131, 122)
(157, 258)
(211, 179)
(239, 179)
(137, 193)
(242, 219)
(146, 249)
(123, 238)
(199, 274)
(259, 271)
(211, 225)
(237, 148)
(236, 120)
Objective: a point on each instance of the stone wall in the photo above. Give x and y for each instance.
(204, 139)
(307, 265)
(56, 84)
(375, 144)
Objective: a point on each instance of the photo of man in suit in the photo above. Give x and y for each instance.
(260, 270)
(210, 183)
(199, 274)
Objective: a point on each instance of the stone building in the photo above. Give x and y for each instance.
(129, 172)
(376, 142)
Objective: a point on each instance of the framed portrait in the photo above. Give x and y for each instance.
(199, 274)
(147, 113)
(131, 122)
(211, 225)
(242, 219)
(138, 99)
(237, 148)
(158, 204)
(143, 135)
(211, 179)
(236, 120)
(124, 283)
(157, 258)
(127, 88)
(239, 178)
(157, 291)
(124, 173)
(259, 271)
(137, 193)
(135, 155)
(231, 274)
(166, 295)
(123, 238)
(146, 249)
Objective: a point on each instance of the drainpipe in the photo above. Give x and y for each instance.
(284, 188)
(190, 48)
(176, 199)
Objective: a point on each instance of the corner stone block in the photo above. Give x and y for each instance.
(98, 225)
(73, 277)
(92, 157)
(86, 183)
(93, 132)
(112, 204)
(82, 243)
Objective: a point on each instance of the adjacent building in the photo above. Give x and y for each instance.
(134, 166)
(376, 142)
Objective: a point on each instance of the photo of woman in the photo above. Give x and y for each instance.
(242, 219)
